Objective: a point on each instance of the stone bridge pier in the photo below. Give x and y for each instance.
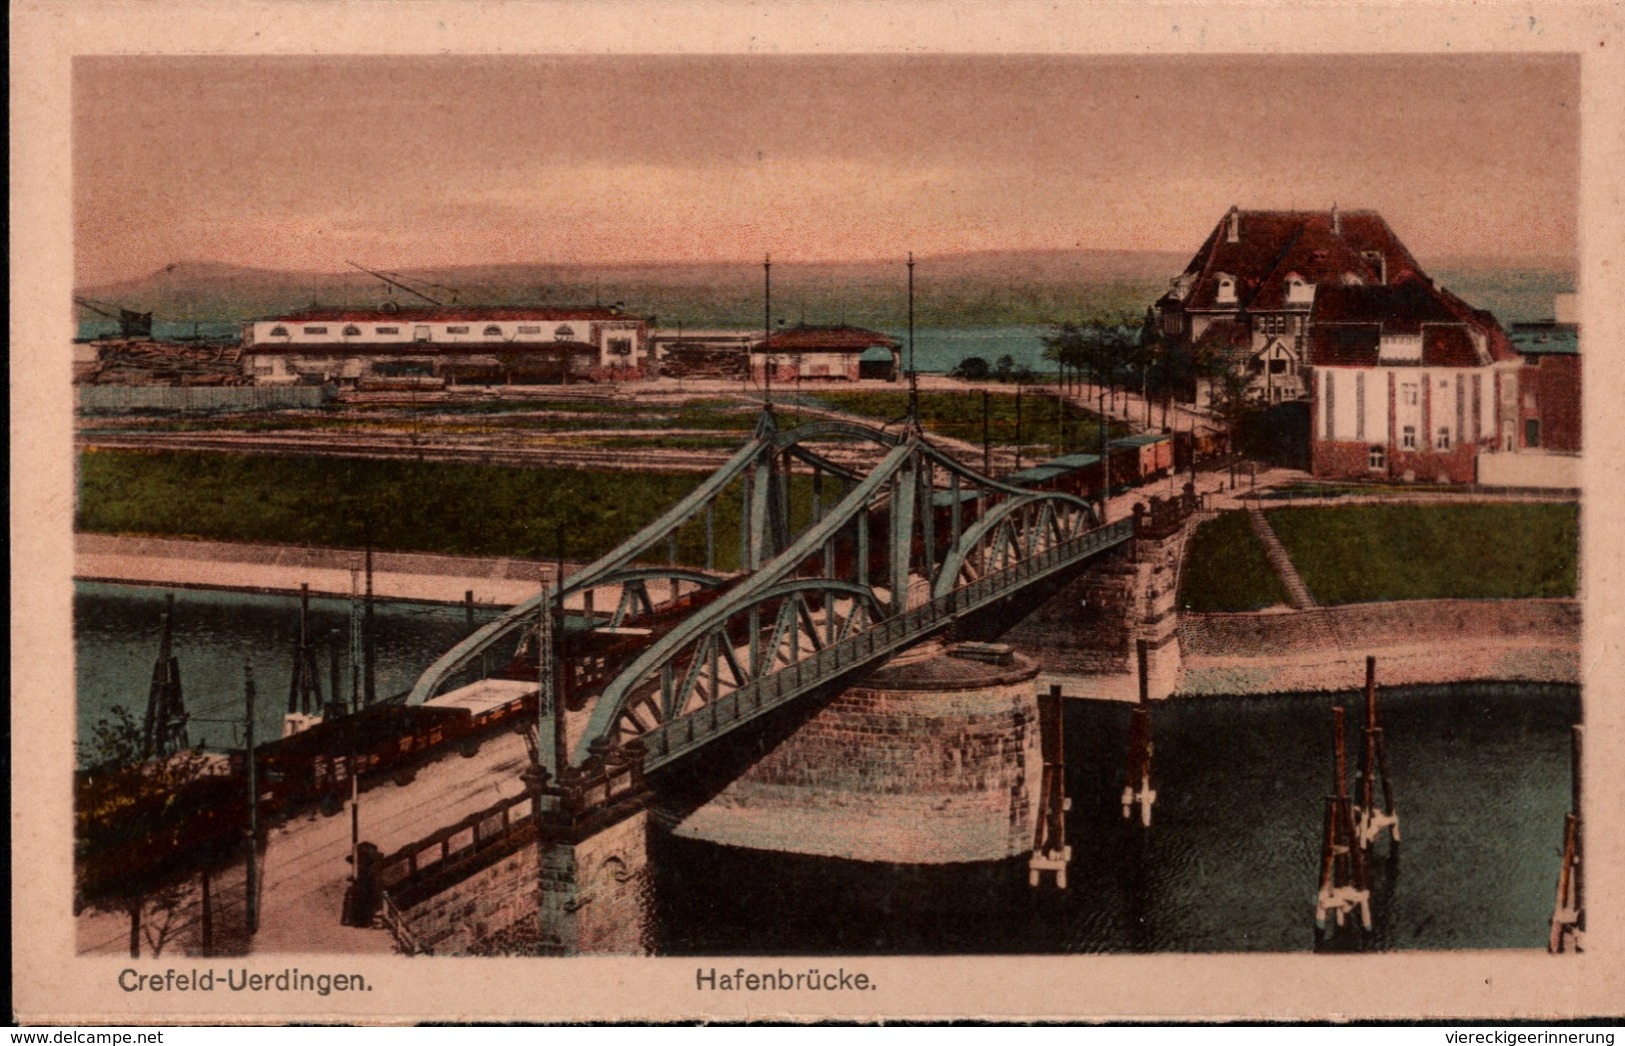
(1087, 634)
(932, 759)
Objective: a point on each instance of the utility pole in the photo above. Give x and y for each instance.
(251, 906)
(913, 381)
(1018, 426)
(767, 328)
(1060, 408)
(1105, 459)
(987, 441)
(369, 654)
(357, 642)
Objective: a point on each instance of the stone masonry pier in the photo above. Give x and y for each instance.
(933, 759)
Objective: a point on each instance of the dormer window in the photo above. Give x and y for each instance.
(1298, 291)
(1378, 264)
(1227, 288)
(564, 333)
(493, 331)
(352, 331)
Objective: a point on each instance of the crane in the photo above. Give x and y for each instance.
(131, 324)
(395, 279)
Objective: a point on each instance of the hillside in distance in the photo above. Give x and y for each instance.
(986, 289)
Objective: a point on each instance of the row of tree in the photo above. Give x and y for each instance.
(1118, 356)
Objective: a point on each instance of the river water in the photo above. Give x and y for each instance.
(1481, 775)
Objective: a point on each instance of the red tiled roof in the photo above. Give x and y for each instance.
(826, 339)
(1358, 345)
(454, 314)
(1497, 342)
(1448, 347)
(1273, 244)
(1344, 344)
(1401, 308)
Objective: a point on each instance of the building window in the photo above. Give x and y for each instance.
(315, 330)
(620, 346)
(1170, 323)
(279, 332)
(1444, 438)
(1531, 434)
(529, 330)
(456, 330)
(1227, 288)
(1277, 366)
(1407, 438)
(564, 333)
(1408, 394)
(352, 331)
(1377, 459)
(389, 330)
(493, 331)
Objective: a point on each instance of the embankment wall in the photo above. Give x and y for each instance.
(1415, 641)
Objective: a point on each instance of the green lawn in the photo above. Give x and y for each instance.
(1365, 553)
(407, 506)
(1226, 569)
(1044, 418)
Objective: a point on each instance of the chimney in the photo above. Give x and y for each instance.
(1337, 226)
(1233, 221)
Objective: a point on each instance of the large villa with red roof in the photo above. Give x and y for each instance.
(1401, 378)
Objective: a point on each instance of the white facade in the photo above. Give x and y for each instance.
(620, 342)
(1432, 408)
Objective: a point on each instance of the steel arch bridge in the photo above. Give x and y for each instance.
(780, 573)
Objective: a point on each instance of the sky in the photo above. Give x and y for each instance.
(415, 162)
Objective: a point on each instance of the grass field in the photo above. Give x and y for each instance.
(1366, 553)
(400, 505)
(1044, 418)
(1226, 570)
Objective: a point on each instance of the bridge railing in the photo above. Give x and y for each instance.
(414, 871)
(679, 736)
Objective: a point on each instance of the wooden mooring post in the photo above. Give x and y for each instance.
(1568, 914)
(1138, 789)
(305, 683)
(1344, 888)
(1050, 850)
(1373, 818)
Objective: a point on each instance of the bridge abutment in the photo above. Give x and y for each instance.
(597, 891)
(1086, 635)
(934, 759)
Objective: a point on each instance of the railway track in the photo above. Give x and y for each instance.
(645, 459)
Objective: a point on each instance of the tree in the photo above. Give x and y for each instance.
(144, 825)
(1235, 404)
(1004, 367)
(1101, 348)
(972, 368)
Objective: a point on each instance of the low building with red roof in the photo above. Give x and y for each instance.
(825, 353)
(1328, 310)
(448, 344)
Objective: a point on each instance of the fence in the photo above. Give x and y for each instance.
(115, 399)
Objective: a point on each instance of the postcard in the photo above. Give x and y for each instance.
(637, 511)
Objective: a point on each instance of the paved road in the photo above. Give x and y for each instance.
(305, 867)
